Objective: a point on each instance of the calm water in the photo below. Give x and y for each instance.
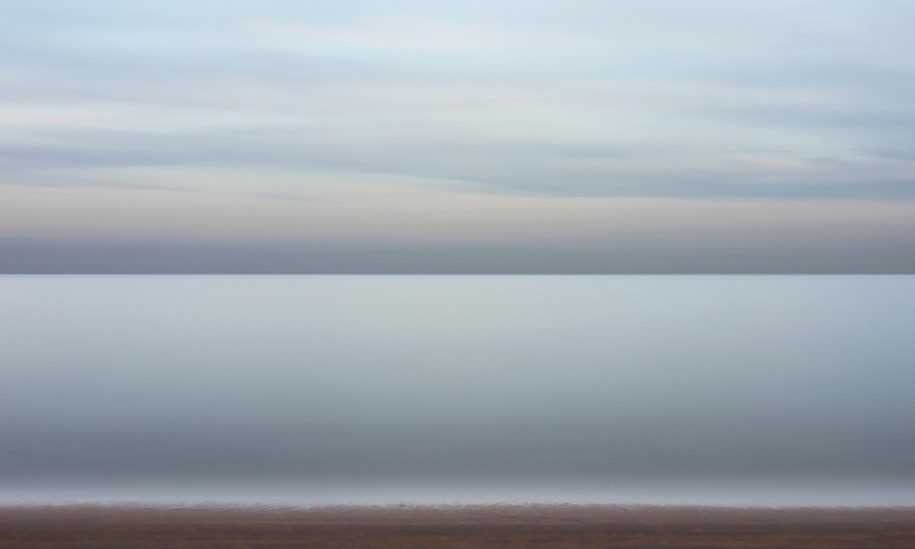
(329, 389)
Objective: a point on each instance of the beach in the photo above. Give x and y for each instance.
(52, 527)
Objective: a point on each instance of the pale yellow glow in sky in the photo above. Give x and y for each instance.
(342, 211)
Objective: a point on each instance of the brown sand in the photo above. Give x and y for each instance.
(473, 526)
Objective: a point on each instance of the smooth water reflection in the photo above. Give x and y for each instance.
(470, 388)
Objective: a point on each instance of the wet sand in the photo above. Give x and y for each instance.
(468, 526)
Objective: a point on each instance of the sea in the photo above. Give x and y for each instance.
(450, 390)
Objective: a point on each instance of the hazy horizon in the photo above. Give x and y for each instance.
(37, 256)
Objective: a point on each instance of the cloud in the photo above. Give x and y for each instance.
(711, 101)
(397, 34)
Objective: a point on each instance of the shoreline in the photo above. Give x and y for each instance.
(563, 525)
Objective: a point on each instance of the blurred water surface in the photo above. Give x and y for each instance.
(329, 389)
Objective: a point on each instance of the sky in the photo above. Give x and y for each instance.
(581, 136)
